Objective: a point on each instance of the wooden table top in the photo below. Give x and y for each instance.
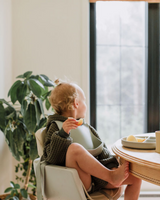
(142, 162)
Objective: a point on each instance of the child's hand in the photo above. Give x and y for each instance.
(69, 124)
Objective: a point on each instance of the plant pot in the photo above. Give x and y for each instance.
(31, 197)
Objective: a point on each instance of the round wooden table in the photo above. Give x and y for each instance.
(144, 164)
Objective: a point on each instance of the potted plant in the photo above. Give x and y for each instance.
(20, 119)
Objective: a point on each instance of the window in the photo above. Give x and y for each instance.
(119, 81)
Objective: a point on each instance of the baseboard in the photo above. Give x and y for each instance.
(148, 194)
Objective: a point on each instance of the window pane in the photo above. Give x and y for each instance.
(121, 63)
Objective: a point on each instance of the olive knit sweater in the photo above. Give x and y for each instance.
(55, 148)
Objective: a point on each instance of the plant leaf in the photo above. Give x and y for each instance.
(25, 75)
(42, 123)
(23, 107)
(49, 83)
(38, 111)
(12, 193)
(33, 149)
(45, 95)
(30, 118)
(13, 91)
(12, 146)
(21, 92)
(31, 186)
(15, 198)
(47, 104)
(5, 102)
(8, 189)
(12, 184)
(24, 193)
(16, 186)
(41, 106)
(2, 117)
(44, 77)
(19, 136)
(36, 87)
(11, 115)
(8, 197)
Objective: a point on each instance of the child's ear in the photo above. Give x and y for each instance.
(76, 103)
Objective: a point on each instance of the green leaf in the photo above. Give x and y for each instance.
(25, 75)
(15, 198)
(12, 184)
(8, 189)
(41, 106)
(2, 117)
(17, 186)
(19, 136)
(42, 123)
(36, 87)
(8, 197)
(45, 95)
(24, 193)
(49, 83)
(47, 104)
(44, 77)
(12, 146)
(30, 118)
(31, 186)
(5, 102)
(33, 149)
(13, 91)
(12, 193)
(9, 110)
(21, 92)
(23, 107)
(16, 169)
(38, 111)
(11, 115)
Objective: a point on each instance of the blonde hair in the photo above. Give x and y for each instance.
(62, 97)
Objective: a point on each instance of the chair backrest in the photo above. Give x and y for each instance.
(40, 140)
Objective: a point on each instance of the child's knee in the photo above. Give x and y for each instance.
(75, 149)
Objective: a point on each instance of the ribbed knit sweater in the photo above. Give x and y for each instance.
(55, 148)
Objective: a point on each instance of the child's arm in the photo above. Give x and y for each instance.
(55, 146)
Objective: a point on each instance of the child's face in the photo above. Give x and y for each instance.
(82, 107)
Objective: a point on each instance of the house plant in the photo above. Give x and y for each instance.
(20, 119)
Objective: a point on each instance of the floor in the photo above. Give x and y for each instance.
(144, 198)
(155, 196)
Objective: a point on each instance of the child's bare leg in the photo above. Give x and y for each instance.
(79, 158)
(133, 187)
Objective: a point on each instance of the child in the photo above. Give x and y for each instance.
(95, 171)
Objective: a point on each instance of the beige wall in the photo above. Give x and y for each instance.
(47, 37)
(51, 37)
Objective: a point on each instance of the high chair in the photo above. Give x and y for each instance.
(62, 183)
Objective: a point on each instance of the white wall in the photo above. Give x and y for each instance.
(6, 159)
(47, 37)
(51, 37)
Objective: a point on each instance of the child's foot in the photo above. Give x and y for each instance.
(120, 174)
